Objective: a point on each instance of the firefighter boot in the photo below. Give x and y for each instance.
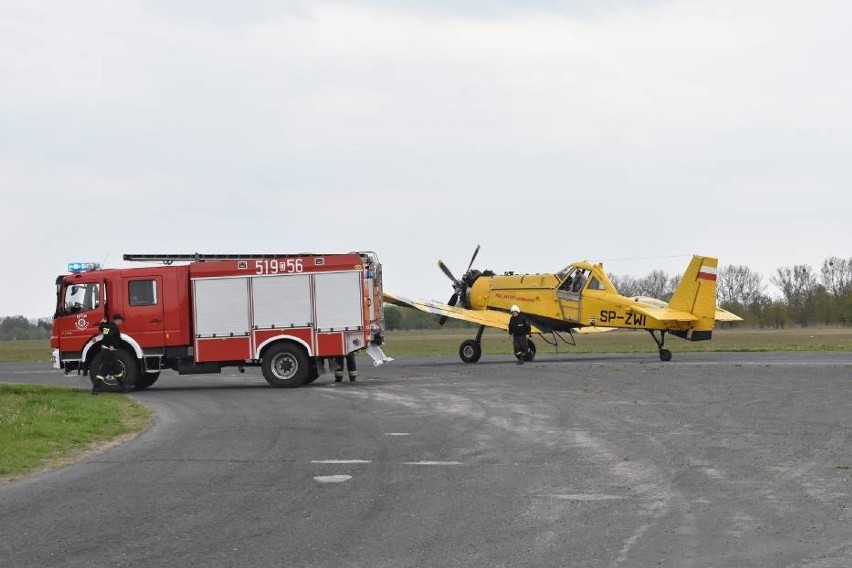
(97, 384)
(338, 369)
(351, 368)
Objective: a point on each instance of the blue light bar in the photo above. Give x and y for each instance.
(78, 267)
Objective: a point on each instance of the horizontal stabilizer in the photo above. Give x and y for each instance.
(725, 315)
(663, 314)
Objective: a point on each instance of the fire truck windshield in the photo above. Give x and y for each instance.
(81, 297)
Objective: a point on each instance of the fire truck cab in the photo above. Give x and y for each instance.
(286, 313)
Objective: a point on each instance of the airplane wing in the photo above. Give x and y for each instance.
(488, 318)
(592, 329)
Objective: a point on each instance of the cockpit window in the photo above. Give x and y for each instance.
(566, 276)
(595, 284)
(81, 297)
(562, 274)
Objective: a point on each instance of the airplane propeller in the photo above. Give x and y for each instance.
(475, 252)
(449, 274)
(459, 286)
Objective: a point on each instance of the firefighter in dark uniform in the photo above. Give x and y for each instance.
(110, 371)
(350, 366)
(519, 329)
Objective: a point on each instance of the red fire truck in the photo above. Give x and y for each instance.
(197, 313)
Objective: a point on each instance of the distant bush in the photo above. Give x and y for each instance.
(19, 327)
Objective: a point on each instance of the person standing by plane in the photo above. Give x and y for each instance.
(519, 329)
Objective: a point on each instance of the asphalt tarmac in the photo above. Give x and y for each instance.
(710, 460)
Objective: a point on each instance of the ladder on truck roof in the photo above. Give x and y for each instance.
(198, 257)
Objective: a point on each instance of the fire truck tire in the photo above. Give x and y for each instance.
(470, 351)
(285, 365)
(145, 380)
(128, 361)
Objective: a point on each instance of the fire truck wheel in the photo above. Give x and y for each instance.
(285, 365)
(470, 351)
(125, 360)
(145, 380)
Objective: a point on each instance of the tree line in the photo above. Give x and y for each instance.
(19, 327)
(808, 297)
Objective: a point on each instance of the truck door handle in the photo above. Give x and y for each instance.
(155, 320)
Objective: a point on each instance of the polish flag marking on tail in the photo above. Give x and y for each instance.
(707, 272)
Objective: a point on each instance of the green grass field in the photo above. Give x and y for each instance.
(43, 426)
(446, 342)
(24, 350)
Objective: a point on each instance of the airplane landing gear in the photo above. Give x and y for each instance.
(531, 355)
(470, 350)
(665, 354)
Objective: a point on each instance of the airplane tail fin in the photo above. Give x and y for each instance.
(696, 294)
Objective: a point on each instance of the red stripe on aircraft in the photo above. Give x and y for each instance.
(706, 276)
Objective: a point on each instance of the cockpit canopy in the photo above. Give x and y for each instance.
(583, 275)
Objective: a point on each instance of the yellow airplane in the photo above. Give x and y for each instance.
(579, 298)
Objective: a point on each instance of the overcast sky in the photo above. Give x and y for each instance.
(630, 132)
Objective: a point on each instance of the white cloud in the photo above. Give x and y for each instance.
(635, 130)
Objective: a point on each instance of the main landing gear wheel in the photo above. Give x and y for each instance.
(531, 355)
(665, 355)
(470, 351)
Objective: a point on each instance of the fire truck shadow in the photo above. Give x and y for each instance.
(319, 384)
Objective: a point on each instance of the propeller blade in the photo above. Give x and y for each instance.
(446, 271)
(453, 301)
(476, 252)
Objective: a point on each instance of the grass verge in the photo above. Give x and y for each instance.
(43, 427)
